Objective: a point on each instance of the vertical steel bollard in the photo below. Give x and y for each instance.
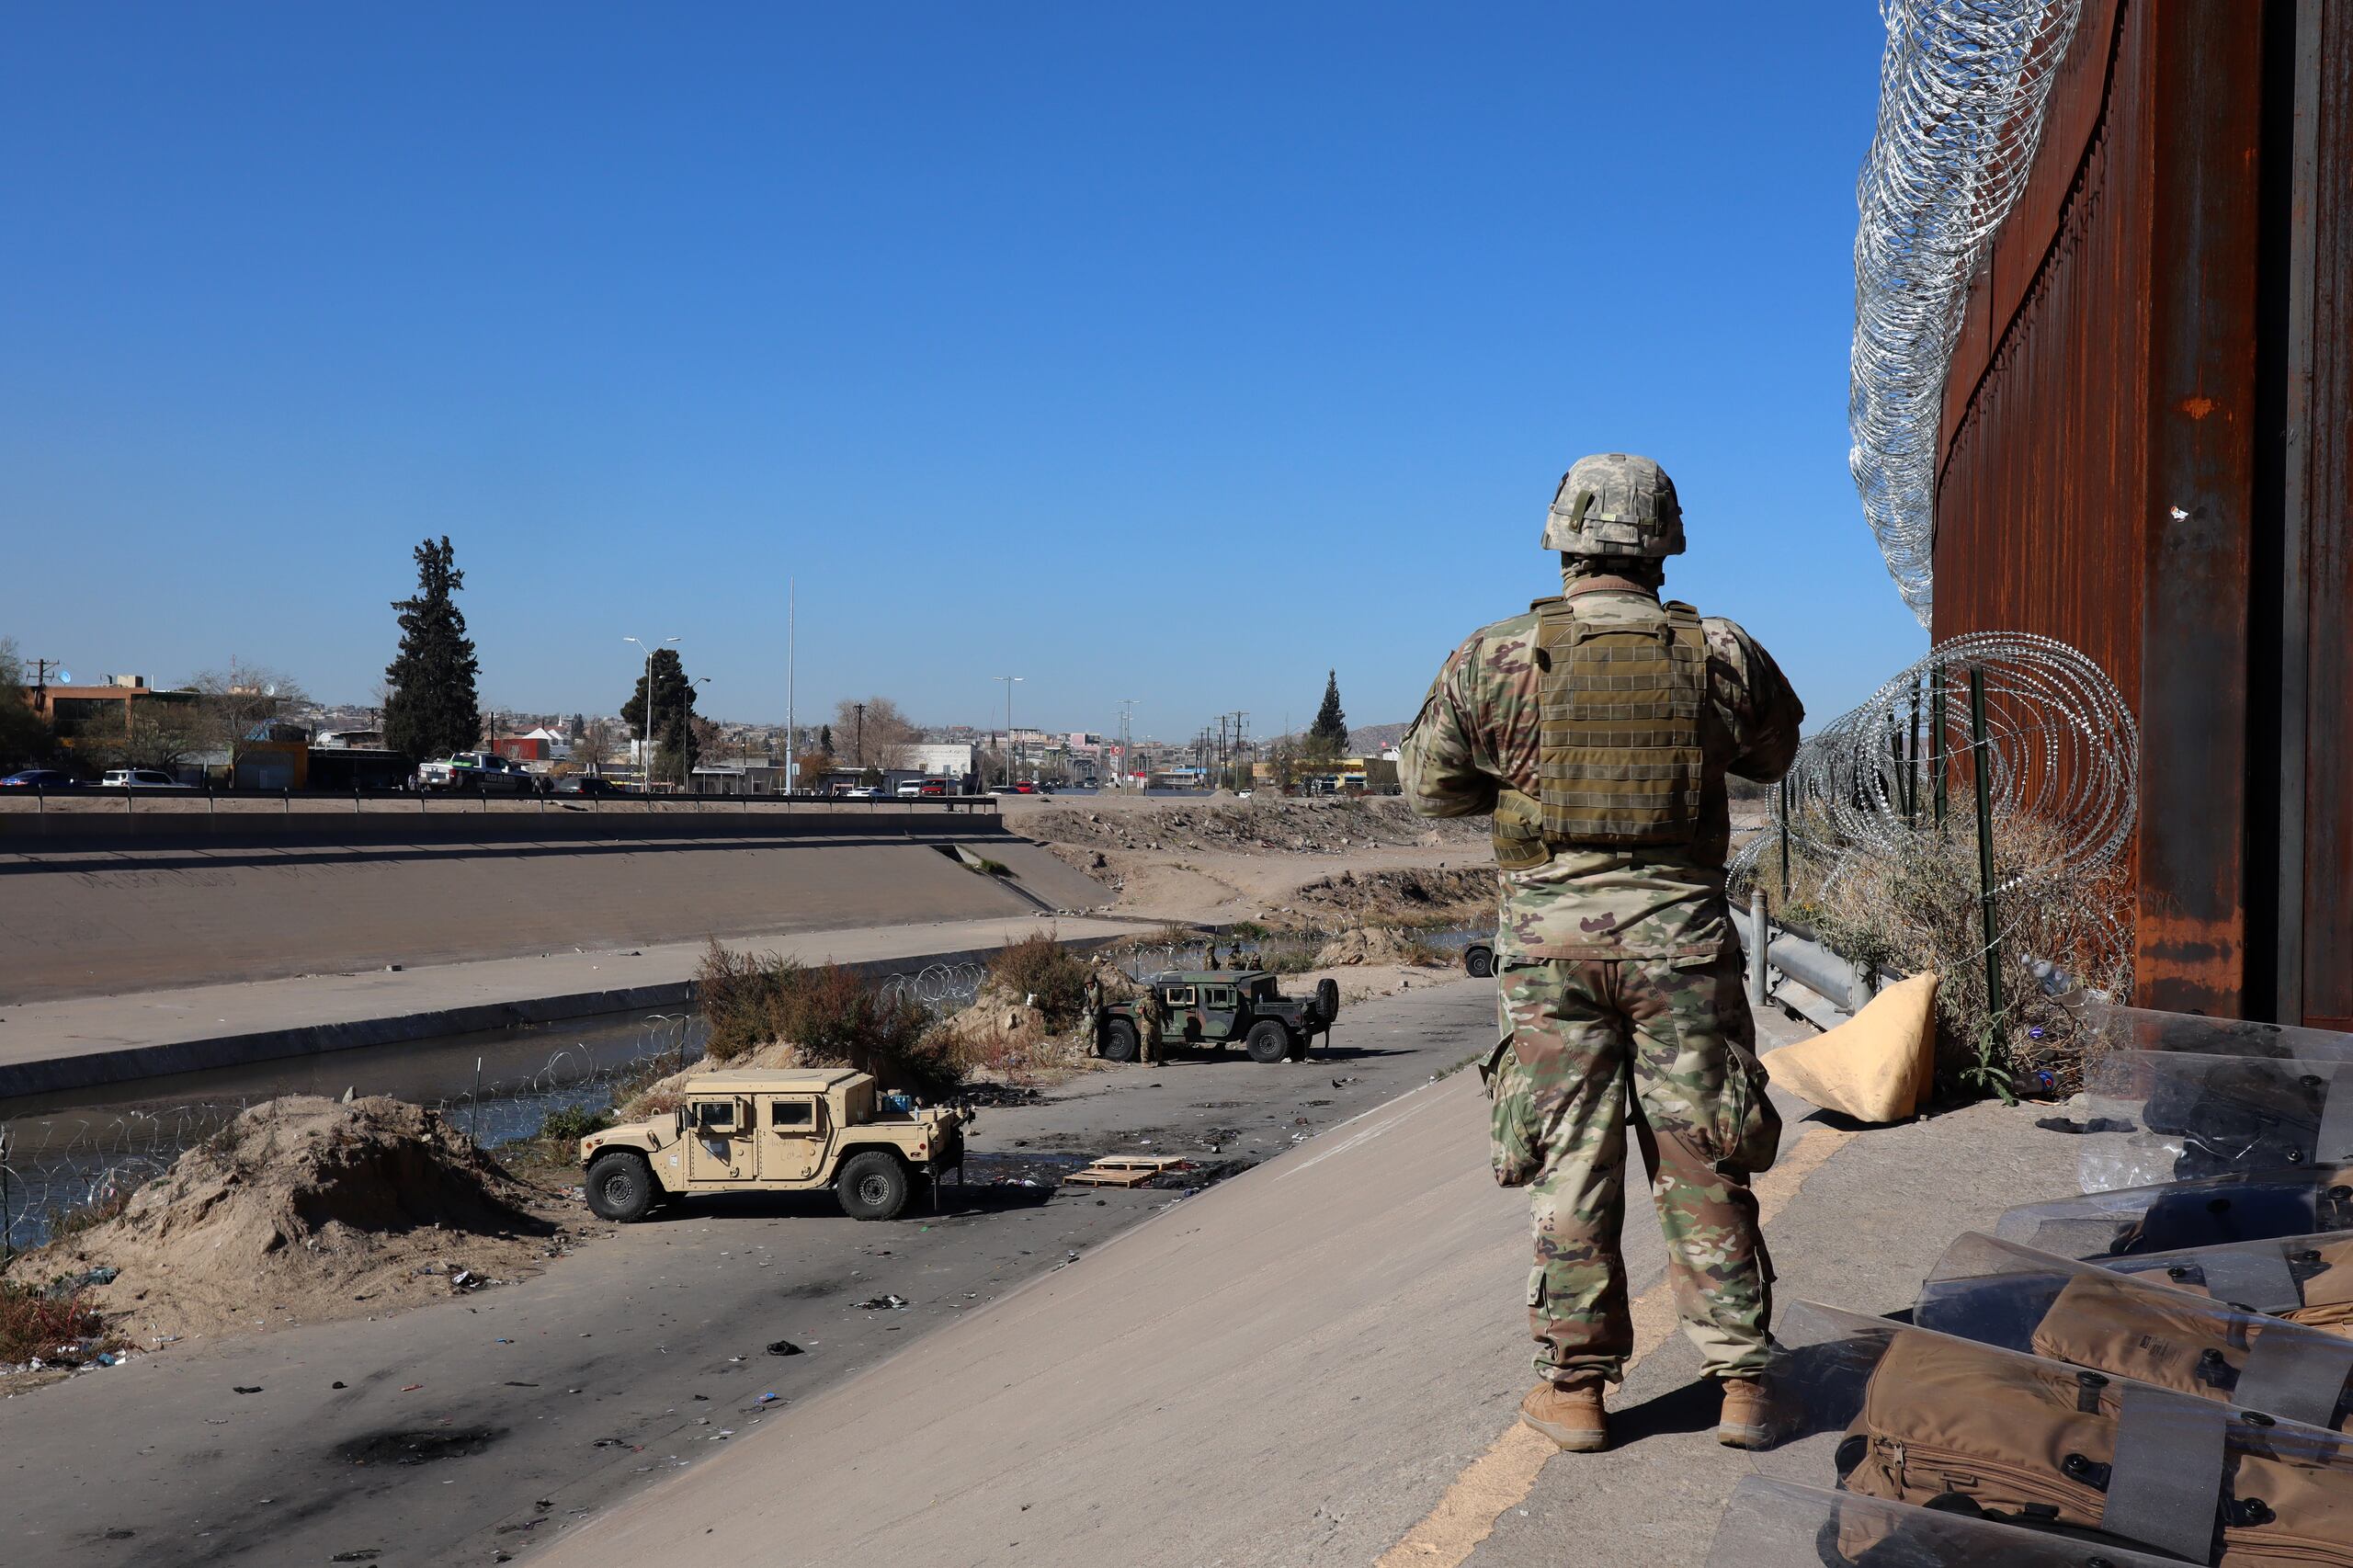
(1989, 927)
(1760, 936)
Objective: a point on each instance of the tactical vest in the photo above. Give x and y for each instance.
(1622, 764)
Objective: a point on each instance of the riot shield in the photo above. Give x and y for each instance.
(2128, 1222)
(2139, 1318)
(1774, 1524)
(1909, 1416)
(2144, 1029)
(2180, 1116)
(2304, 1280)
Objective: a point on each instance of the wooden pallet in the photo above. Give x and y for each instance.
(1124, 1170)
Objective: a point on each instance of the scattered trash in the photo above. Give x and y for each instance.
(764, 1399)
(256, 1389)
(1343, 1082)
(502, 1341)
(368, 1555)
(784, 1347)
(66, 1286)
(336, 1385)
(411, 1388)
(885, 1303)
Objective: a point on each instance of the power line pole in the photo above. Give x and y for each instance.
(791, 779)
(858, 736)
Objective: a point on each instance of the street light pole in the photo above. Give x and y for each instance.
(1011, 682)
(646, 714)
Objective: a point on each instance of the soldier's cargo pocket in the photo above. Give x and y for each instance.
(1756, 1128)
(1517, 1134)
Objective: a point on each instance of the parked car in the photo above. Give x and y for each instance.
(139, 778)
(585, 784)
(481, 770)
(40, 778)
(935, 786)
(909, 789)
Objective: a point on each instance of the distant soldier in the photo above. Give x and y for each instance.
(1094, 1012)
(1598, 728)
(1213, 955)
(1150, 1015)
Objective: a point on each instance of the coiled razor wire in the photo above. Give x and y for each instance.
(1962, 89)
(2061, 749)
(940, 989)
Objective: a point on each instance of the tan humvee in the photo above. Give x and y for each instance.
(776, 1132)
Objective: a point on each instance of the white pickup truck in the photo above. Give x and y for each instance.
(485, 772)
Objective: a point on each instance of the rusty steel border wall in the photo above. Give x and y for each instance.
(2147, 453)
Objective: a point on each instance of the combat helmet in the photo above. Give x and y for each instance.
(1615, 504)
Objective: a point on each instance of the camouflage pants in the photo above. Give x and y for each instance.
(1671, 1040)
(1149, 1049)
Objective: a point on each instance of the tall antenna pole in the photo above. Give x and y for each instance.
(791, 779)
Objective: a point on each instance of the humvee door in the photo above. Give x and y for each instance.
(1219, 1005)
(796, 1137)
(720, 1140)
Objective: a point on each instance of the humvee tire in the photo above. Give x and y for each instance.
(1479, 963)
(619, 1187)
(1119, 1040)
(872, 1185)
(1327, 998)
(1268, 1041)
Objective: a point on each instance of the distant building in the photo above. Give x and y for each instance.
(938, 759)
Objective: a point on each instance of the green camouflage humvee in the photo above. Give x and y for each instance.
(1216, 1008)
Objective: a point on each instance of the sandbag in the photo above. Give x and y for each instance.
(1879, 1065)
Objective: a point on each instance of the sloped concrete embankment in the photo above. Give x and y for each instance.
(173, 912)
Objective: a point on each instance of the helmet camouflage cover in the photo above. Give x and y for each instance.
(1615, 504)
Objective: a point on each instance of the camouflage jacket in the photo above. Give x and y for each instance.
(1477, 733)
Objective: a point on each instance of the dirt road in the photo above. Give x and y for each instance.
(493, 1422)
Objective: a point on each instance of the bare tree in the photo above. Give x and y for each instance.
(872, 733)
(236, 705)
(595, 746)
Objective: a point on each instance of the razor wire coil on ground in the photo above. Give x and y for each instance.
(1963, 84)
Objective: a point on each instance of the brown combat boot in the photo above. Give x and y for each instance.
(1572, 1417)
(1745, 1422)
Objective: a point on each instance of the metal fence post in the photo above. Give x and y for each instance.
(1759, 938)
(1936, 745)
(1911, 762)
(1785, 841)
(1979, 768)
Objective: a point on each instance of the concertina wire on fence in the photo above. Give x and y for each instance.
(2062, 750)
(1962, 89)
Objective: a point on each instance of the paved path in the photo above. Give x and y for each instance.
(1317, 1363)
(575, 1389)
(212, 1026)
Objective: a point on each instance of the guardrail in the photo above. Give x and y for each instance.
(184, 801)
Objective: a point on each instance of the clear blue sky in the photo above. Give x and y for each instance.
(1174, 352)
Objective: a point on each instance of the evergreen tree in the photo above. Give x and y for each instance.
(825, 737)
(431, 709)
(1328, 736)
(674, 710)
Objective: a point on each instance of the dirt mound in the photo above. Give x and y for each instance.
(1376, 946)
(306, 1208)
(1413, 895)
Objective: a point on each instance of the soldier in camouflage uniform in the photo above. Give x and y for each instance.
(1149, 1017)
(1597, 729)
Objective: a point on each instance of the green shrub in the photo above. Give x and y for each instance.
(573, 1124)
(828, 1013)
(1040, 967)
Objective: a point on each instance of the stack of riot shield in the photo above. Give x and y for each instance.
(2159, 1368)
